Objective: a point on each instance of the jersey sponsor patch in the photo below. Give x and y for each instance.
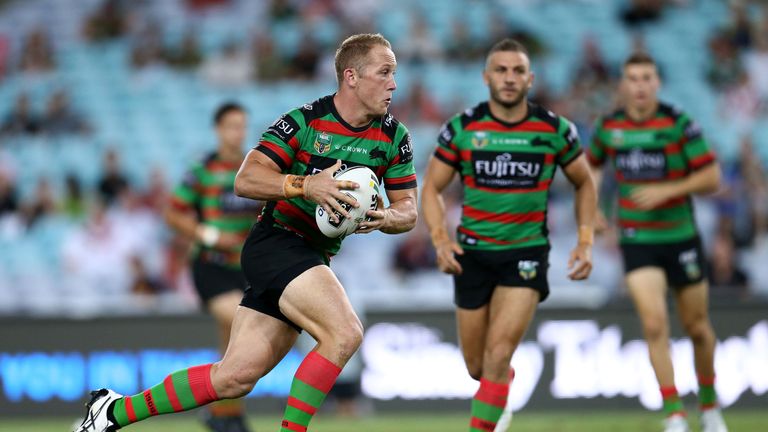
(447, 134)
(406, 149)
(284, 128)
(638, 164)
(507, 170)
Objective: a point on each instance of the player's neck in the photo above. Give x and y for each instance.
(513, 114)
(350, 110)
(230, 155)
(639, 114)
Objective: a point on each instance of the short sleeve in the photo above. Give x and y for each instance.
(280, 141)
(695, 148)
(446, 149)
(570, 146)
(400, 173)
(186, 195)
(596, 153)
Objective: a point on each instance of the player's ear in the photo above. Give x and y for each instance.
(531, 80)
(486, 79)
(350, 77)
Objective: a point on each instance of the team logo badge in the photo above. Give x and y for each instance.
(617, 137)
(322, 142)
(480, 139)
(527, 269)
(689, 260)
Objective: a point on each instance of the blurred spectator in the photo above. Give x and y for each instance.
(593, 67)
(156, 195)
(756, 63)
(107, 22)
(60, 118)
(461, 47)
(43, 203)
(418, 106)
(188, 55)
(142, 282)
(21, 120)
(281, 10)
(725, 68)
(8, 201)
(740, 30)
(203, 4)
(303, 65)
(112, 182)
(73, 203)
(741, 103)
(499, 29)
(95, 256)
(269, 67)
(231, 68)
(419, 46)
(642, 11)
(723, 270)
(37, 52)
(415, 252)
(147, 46)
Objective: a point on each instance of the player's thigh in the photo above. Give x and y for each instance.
(693, 303)
(223, 306)
(472, 326)
(316, 302)
(647, 286)
(511, 311)
(258, 342)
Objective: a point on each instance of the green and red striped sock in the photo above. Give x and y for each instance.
(707, 394)
(487, 405)
(180, 391)
(673, 405)
(312, 382)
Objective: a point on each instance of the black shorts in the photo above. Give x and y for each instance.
(213, 279)
(483, 271)
(683, 262)
(271, 259)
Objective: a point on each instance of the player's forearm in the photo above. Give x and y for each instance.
(190, 227)
(401, 216)
(585, 206)
(433, 212)
(261, 183)
(703, 181)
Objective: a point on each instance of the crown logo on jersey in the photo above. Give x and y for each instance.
(617, 137)
(322, 142)
(480, 139)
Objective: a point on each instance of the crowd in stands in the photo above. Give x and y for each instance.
(118, 240)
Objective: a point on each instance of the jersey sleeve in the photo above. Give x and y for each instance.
(280, 141)
(570, 145)
(400, 173)
(446, 149)
(695, 148)
(186, 196)
(596, 153)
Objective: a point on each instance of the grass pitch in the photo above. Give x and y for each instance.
(534, 421)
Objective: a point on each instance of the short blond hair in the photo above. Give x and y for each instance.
(352, 53)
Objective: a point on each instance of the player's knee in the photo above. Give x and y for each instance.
(498, 355)
(348, 338)
(235, 383)
(655, 329)
(699, 330)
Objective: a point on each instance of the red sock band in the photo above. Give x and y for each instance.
(201, 385)
(492, 393)
(668, 392)
(706, 380)
(318, 371)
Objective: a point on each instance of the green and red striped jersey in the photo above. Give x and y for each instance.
(507, 170)
(668, 146)
(207, 188)
(311, 138)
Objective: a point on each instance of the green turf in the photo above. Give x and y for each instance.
(624, 421)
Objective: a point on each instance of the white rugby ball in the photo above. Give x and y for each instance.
(366, 195)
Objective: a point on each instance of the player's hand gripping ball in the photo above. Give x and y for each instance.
(366, 195)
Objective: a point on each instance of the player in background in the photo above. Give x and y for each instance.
(506, 152)
(660, 159)
(205, 209)
(285, 258)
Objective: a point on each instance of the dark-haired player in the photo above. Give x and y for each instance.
(204, 208)
(660, 159)
(285, 258)
(506, 152)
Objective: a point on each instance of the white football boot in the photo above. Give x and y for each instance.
(712, 421)
(676, 423)
(96, 419)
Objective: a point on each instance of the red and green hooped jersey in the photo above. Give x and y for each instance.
(507, 170)
(667, 147)
(208, 189)
(310, 139)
